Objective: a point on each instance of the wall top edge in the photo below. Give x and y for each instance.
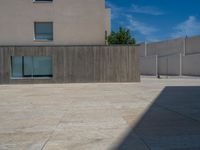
(67, 45)
(168, 40)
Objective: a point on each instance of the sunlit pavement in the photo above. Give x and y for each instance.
(154, 114)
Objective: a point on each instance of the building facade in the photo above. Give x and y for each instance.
(61, 41)
(54, 22)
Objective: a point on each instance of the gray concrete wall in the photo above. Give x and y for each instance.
(76, 64)
(141, 49)
(75, 22)
(148, 65)
(191, 65)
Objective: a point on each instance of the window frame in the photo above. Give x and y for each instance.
(43, 40)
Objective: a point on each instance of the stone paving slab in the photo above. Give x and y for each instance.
(154, 114)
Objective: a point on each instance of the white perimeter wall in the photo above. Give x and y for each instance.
(175, 57)
(191, 65)
(169, 65)
(148, 65)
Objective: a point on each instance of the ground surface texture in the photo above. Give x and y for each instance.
(151, 115)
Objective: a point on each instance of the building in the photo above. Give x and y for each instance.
(54, 22)
(61, 41)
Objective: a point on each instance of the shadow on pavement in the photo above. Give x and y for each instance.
(171, 123)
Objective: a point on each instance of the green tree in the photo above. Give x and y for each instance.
(121, 37)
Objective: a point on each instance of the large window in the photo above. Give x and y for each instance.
(42, 0)
(43, 31)
(25, 66)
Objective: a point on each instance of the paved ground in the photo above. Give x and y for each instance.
(154, 114)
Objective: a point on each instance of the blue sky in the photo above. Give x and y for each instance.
(156, 20)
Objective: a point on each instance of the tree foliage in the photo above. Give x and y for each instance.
(121, 37)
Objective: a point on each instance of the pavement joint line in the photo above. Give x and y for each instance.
(39, 119)
(183, 115)
(180, 114)
(168, 109)
(142, 140)
(139, 137)
(51, 133)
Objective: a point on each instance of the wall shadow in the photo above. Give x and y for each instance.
(172, 122)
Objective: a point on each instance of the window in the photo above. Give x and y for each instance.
(27, 66)
(42, 0)
(43, 31)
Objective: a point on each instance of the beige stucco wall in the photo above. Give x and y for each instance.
(76, 22)
(108, 20)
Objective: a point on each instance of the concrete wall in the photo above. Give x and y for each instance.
(175, 57)
(169, 65)
(76, 22)
(168, 47)
(141, 49)
(76, 64)
(148, 65)
(165, 65)
(191, 65)
(193, 45)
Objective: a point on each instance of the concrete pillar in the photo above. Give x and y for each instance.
(157, 70)
(181, 64)
(145, 48)
(184, 46)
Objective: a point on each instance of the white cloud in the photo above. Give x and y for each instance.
(124, 17)
(146, 30)
(118, 11)
(189, 27)
(149, 10)
(142, 28)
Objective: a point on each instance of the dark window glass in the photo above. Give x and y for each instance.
(40, 66)
(43, 31)
(27, 66)
(43, 0)
(16, 63)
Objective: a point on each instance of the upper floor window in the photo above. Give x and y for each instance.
(42, 0)
(43, 31)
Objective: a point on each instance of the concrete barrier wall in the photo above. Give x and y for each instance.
(141, 49)
(169, 65)
(191, 64)
(76, 64)
(169, 57)
(1, 67)
(148, 65)
(192, 45)
(165, 47)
